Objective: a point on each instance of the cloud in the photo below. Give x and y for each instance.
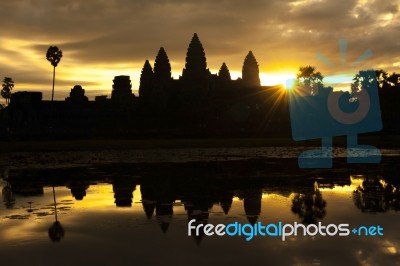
(282, 34)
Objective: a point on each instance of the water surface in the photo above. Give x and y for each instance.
(118, 217)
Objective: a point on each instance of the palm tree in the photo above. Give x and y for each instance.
(53, 55)
(8, 85)
(8, 196)
(56, 231)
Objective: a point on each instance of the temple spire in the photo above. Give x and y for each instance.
(146, 80)
(162, 67)
(250, 72)
(196, 64)
(224, 73)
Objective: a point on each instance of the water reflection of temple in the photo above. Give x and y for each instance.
(78, 189)
(198, 195)
(158, 196)
(252, 203)
(27, 189)
(123, 191)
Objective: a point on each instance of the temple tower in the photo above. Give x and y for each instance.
(122, 90)
(146, 81)
(250, 71)
(196, 64)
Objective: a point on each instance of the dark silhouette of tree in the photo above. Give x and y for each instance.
(363, 80)
(196, 63)
(223, 73)
(310, 207)
(385, 80)
(77, 94)
(381, 78)
(53, 55)
(146, 81)
(389, 96)
(393, 80)
(250, 71)
(8, 85)
(56, 231)
(309, 79)
(375, 195)
(8, 196)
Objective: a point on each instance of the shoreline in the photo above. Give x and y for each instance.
(263, 156)
(84, 153)
(391, 141)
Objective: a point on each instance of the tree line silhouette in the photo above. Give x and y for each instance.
(197, 104)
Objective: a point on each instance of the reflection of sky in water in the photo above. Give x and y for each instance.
(98, 233)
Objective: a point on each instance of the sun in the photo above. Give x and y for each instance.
(290, 84)
(277, 78)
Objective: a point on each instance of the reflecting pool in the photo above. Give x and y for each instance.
(124, 215)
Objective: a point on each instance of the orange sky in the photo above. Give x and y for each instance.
(102, 39)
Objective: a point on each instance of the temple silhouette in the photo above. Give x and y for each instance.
(198, 103)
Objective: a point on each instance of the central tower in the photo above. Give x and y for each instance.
(196, 65)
